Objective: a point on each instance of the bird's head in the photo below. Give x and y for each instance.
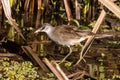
(46, 27)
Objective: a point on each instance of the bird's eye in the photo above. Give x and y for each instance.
(42, 28)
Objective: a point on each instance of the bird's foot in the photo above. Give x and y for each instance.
(56, 61)
(65, 58)
(70, 51)
(79, 60)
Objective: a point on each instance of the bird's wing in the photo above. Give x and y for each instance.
(80, 32)
(73, 32)
(85, 32)
(67, 32)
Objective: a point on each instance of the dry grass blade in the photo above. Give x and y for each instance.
(77, 10)
(7, 11)
(55, 71)
(34, 57)
(111, 6)
(38, 13)
(97, 25)
(26, 6)
(60, 70)
(90, 39)
(68, 11)
(11, 55)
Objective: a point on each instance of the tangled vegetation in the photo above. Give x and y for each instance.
(103, 58)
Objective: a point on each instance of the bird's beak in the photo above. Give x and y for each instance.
(38, 30)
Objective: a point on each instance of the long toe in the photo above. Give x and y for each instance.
(79, 60)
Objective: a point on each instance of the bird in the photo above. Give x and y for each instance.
(65, 35)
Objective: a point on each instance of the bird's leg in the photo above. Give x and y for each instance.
(81, 55)
(70, 51)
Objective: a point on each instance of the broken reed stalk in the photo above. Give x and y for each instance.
(7, 11)
(54, 70)
(68, 11)
(34, 57)
(77, 10)
(88, 43)
(111, 6)
(115, 9)
(39, 13)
